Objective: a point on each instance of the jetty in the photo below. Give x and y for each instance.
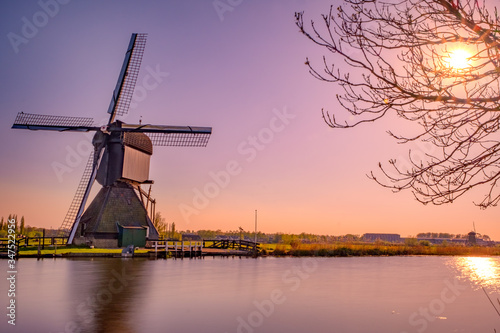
(44, 247)
(206, 247)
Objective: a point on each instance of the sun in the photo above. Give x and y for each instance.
(458, 59)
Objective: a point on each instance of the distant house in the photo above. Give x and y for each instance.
(191, 237)
(391, 238)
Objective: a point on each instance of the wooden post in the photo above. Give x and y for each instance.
(255, 237)
(142, 199)
(43, 243)
(153, 206)
(39, 252)
(18, 243)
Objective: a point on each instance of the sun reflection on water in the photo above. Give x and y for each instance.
(481, 271)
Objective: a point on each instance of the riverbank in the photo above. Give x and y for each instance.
(352, 250)
(82, 252)
(300, 250)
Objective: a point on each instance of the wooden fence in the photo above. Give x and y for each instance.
(180, 249)
(36, 242)
(240, 244)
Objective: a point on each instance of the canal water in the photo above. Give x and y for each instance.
(217, 295)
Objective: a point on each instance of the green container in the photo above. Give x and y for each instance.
(129, 235)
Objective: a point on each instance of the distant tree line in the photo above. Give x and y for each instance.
(169, 231)
(20, 227)
(438, 235)
(277, 238)
(447, 235)
(166, 230)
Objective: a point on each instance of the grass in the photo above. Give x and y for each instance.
(351, 250)
(273, 247)
(317, 250)
(30, 251)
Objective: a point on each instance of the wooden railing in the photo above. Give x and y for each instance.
(195, 248)
(239, 244)
(33, 241)
(178, 248)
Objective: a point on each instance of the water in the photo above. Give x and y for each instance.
(361, 294)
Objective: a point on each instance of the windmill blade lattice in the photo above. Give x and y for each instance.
(122, 95)
(53, 123)
(174, 136)
(70, 217)
(179, 139)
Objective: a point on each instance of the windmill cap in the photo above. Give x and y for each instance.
(138, 141)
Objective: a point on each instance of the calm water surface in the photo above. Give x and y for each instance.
(366, 294)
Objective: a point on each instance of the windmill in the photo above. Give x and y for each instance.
(118, 215)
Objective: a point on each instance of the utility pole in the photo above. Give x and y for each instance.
(241, 238)
(255, 237)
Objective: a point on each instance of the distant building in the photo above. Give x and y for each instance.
(191, 237)
(391, 238)
(471, 238)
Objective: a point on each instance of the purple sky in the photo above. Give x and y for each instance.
(240, 71)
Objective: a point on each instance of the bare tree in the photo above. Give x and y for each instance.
(402, 59)
(159, 223)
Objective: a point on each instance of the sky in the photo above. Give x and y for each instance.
(234, 65)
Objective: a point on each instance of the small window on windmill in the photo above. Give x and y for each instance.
(129, 202)
(84, 228)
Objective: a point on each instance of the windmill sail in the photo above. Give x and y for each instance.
(178, 136)
(124, 90)
(53, 123)
(70, 217)
(83, 191)
(179, 139)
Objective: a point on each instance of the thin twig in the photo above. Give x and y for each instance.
(493, 304)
